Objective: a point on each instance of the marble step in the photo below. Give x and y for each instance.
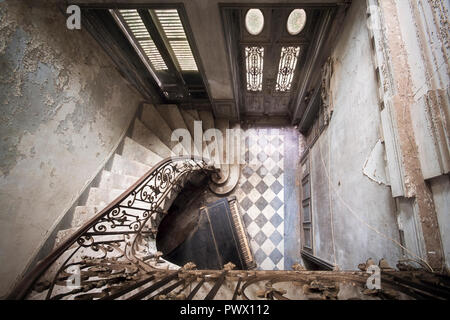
(230, 183)
(145, 137)
(135, 151)
(63, 235)
(234, 166)
(172, 116)
(174, 119)
(153, 120)
(102, 197)
(208, 124)
(128, 167)
(238, 154)
(207, 119)
(194, 113)
(222, 125)
(82, 214)
(110, 180)
(190, 124)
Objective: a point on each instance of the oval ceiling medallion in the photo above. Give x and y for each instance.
(254, 21)
(296, 21)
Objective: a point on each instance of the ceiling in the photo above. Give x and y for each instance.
(211, 39)
(275, 47)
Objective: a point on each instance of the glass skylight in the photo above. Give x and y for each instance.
(140, 33)
(174, 32)
(254, 21)
(254, 60)
(296, 21)
(286, 69)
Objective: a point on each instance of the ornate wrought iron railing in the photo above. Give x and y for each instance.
(118, 244)
(113, 256)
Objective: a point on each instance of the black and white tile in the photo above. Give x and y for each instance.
(261, 196)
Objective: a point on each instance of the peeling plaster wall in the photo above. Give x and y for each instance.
(64, 108)
(441, 196)
(424, 28)
(347, 149)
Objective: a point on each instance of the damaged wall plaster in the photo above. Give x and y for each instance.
(64, 107)
(347, 142)
(402, 101)
(375, 166)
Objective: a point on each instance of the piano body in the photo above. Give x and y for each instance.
(219, 239)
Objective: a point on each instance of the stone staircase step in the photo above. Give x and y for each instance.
(239, 146)
(110, 180)
(234, 168)
(222, 125)
(135, 151)
(174, 119)
(189, 120)
(82, 214)
(172, 116)
(145, 137)
(194, 113)
(102, 197)
(128, 167)
(63, 235)
(207, 119)
(230, 183)
(153, 120)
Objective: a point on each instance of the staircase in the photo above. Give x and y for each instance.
(147, 159)
(150, 143)
(110, 250)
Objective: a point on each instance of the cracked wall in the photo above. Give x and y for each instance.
(64, 107)
(353, 212)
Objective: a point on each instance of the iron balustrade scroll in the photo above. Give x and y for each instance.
(114, 256)
(118, 244)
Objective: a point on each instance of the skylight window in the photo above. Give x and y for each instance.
(288, 62)
(254, 60)
(254, 21)
(296, 21)
(138, 29)
(174, 31)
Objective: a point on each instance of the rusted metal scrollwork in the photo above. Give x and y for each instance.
(114, 256)
(118, 244)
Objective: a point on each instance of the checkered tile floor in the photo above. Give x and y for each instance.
(261, 196)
